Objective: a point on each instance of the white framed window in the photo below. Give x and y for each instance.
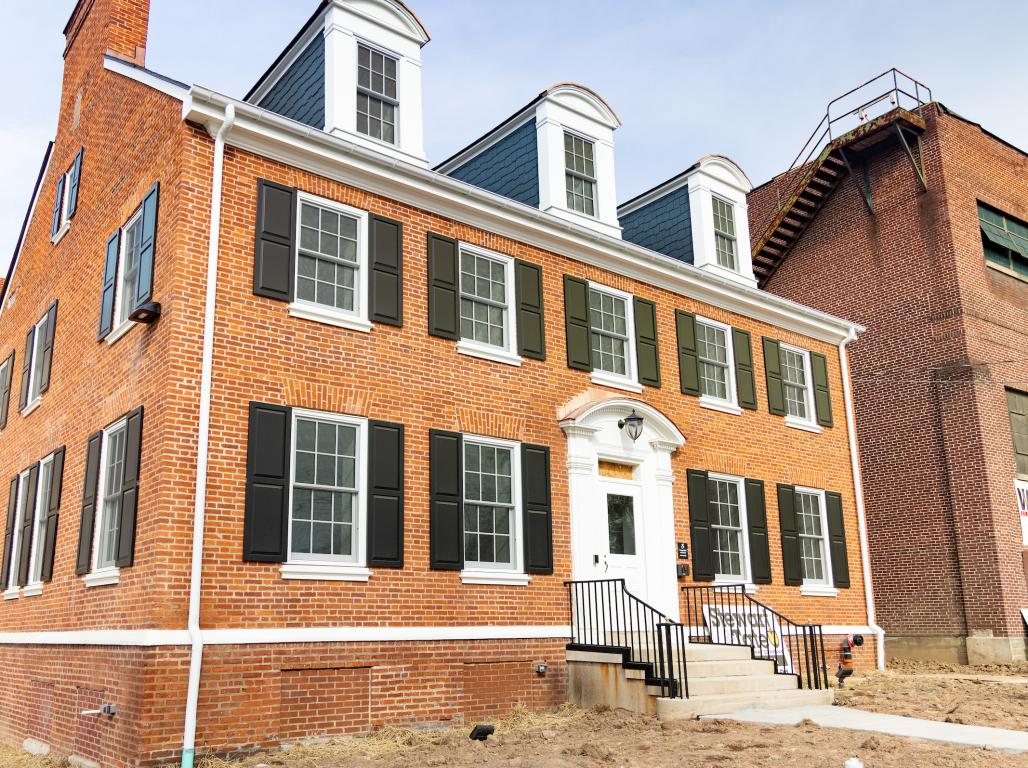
(716, 361)
(580, 173)
(797, 385)
(10, 579)
(492, 510)
(612, 337)
(43, 485)
(39, 334)
(128, 271)
(724, 233)
(61, 221)
(726, 503)
(108, 500)
(812, 526)
(487, 317)
(327, 497)
(331, 280)
(5, 384)
(378, 104)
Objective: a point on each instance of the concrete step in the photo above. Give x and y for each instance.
(700, 652)
(729, 668)
(695, 706)
(722, 686)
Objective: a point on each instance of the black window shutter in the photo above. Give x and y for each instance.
(47, 348)
(55, 225)
(111, 254)
(791, 563)
(443, 287)
(535, 495)
(26, 368)
(31, 484)
(385, 494)
(386, 250)
(12, 511)
(837, 541)
(528, 291)
(147, 247)
(266, 519)
(822, 393)
(744, 380)
(576, 323)
(756, 514)
(688, 362)
(53, 509)
(773, 373)
(74, 176)
(130, 488)
(647, 352)
(5, 389)
(275, 241)
(699, 527)
(83, 562)
(446, 500)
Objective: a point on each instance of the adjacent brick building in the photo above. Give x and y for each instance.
(304, 438)
(935, 263)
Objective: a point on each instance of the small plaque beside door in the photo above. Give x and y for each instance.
(616, 471)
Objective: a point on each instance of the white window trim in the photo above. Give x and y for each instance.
(111, 574)
(508, 352)
(311, 568)
(595, 216)
(37, 398)
(122, 325)
(14, 590)
(65, 221)
(504, 575)
(358, 320)
(396, 143)
(825, 588)
(744, 539)
(731, 403)
(35, 586)
(630, 381)
(808, 424)
(735, 238)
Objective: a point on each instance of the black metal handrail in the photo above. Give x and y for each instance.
(605, 616)
(734, 618)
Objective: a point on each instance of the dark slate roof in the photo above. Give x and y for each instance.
(300, 93)
(664, 225)
(510, 167)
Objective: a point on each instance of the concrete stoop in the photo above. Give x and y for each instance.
(722, 678)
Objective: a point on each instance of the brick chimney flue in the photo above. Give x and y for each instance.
(117, 27)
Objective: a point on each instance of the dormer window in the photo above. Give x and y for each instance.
(377, 104)
(724, 233)
(580, 174)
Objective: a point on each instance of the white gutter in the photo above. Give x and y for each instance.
(858, 487)
(203, 434)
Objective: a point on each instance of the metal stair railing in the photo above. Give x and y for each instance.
(729, 616)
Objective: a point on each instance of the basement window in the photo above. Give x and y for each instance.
(1005, 241)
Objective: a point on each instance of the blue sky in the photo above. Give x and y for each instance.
(745, 78)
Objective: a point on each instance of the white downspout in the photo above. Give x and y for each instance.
(203, 434)
(858, 484)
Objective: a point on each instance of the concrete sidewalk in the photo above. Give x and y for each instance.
(895, 725)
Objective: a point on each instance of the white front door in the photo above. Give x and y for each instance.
(620, 538)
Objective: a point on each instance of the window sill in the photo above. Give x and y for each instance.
(124, 327)
(1007, 271)
(485, 352)
(616, 382)
(487, 576)
(818, 590)
(749, 587)
(12, 593)
(59, 235)
(32, 590)
(328, 317)
(32, 406)
(720, 405)
(102, 577)
(324, 572)
(806, 426)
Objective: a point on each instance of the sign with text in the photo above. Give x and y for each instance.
(1021, 489)
(683, 550)
(737, 625)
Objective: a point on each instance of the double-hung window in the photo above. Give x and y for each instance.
(66, 199)
(1005, 241)
(331, 263)
(128, 268)
(377, 102)
(25, 495)
(724, 234)
(486, 301)
(715, 359)
(811, 525)
(611, 329)
(728, 528)
(46, 479)
(796, 383)
(491, 518)
(327, 491)
(109, 496)
(580, 174)
(37, 362)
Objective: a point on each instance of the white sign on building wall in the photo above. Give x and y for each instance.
(1021, 489)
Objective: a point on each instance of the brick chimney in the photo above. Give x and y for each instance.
(117, 27)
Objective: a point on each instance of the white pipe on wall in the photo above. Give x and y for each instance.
(203, 435)
(858, 485)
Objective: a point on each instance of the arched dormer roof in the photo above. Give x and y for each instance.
(585, 101)
(391, 13)
(727, 169)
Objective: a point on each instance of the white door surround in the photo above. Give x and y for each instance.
(593, 435)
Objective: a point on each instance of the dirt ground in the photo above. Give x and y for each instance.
(943, 692)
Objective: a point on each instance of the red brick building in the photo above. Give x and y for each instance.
(305, 438)
(926, 243)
